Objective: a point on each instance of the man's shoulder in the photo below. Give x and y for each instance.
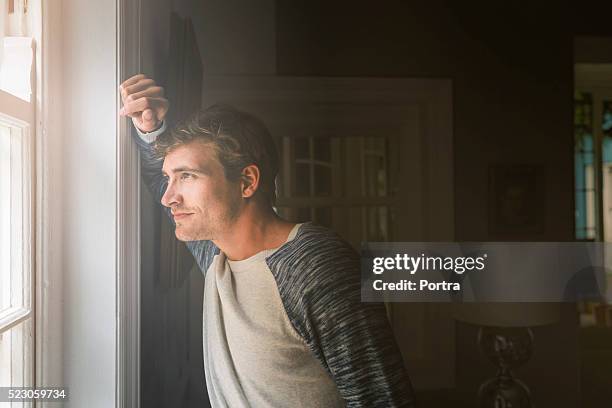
(316, 253)
(316, 243)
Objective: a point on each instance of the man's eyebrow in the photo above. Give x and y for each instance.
(202, 170)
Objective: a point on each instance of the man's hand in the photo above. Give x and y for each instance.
(144, 102)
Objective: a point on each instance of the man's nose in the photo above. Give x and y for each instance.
(171, 196)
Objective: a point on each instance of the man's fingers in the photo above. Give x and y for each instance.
(148, 115)
(144, 102)
(137, 87)
(135, 106)
(159, 105)
(154, 92)
(148, 120)
(131, 80)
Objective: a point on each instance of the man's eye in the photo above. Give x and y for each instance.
(186, 176)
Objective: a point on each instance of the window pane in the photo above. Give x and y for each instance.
(322, 180)
(15, 356)
(377, 223)
(606, 168)
(301, 186)
(375, 176)
(303, 214)
(323, 216)
(322, 149)
(302, 148)
(15, 263)
(607, 118)
(583, 163)
(16, 66)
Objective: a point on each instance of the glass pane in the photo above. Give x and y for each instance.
(375, 176)
(322, 149)
(323, 216)
(303, 214)
(377, 223)
(583, 162)
(301, 185)
(302, 148)
(322, 180)
(15, 356)
(607, 168)
(5, 216)
(16, 66)
(607, 119)
(383, 223)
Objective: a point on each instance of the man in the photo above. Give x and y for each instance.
(283, 322)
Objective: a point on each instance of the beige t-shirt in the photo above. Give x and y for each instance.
(252, 354)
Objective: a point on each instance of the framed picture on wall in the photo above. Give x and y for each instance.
(516, 201)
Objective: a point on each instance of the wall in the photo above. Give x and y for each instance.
(512, 84)
(88, 191)
(511, 67)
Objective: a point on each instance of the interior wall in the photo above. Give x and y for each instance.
(512, 84)
(511, 67)
(88, 192)
(236, 37)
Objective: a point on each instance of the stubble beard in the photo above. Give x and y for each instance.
(211, 227)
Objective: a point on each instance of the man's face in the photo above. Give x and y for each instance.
(203, 202)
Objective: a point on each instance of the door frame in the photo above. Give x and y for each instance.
(128, 217)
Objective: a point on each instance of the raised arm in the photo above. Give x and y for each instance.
(144, 102)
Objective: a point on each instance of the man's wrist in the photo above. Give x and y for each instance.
(150, 137)
(150, 131)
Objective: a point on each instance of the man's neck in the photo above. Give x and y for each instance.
(254, 231)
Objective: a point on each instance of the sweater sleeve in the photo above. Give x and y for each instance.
(151, 171)
(319, 282)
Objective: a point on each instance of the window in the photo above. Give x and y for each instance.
(593, 152)
(15, 253)
(583, 159)
(16, 199)
(593, 165)
(338, 182)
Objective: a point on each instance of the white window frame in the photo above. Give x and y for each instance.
(47, 33)
(54, 326)
(128, 218)
(20, 249)
(19, 116)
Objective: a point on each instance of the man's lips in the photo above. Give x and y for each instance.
(179, 216)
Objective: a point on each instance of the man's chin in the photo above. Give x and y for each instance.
(183, 235)
(186, 236)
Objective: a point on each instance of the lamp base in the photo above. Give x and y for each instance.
(507, 348)
(504, 393)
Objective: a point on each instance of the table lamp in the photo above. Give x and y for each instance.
(506, 339)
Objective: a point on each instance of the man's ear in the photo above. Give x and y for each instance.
(249, 180)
